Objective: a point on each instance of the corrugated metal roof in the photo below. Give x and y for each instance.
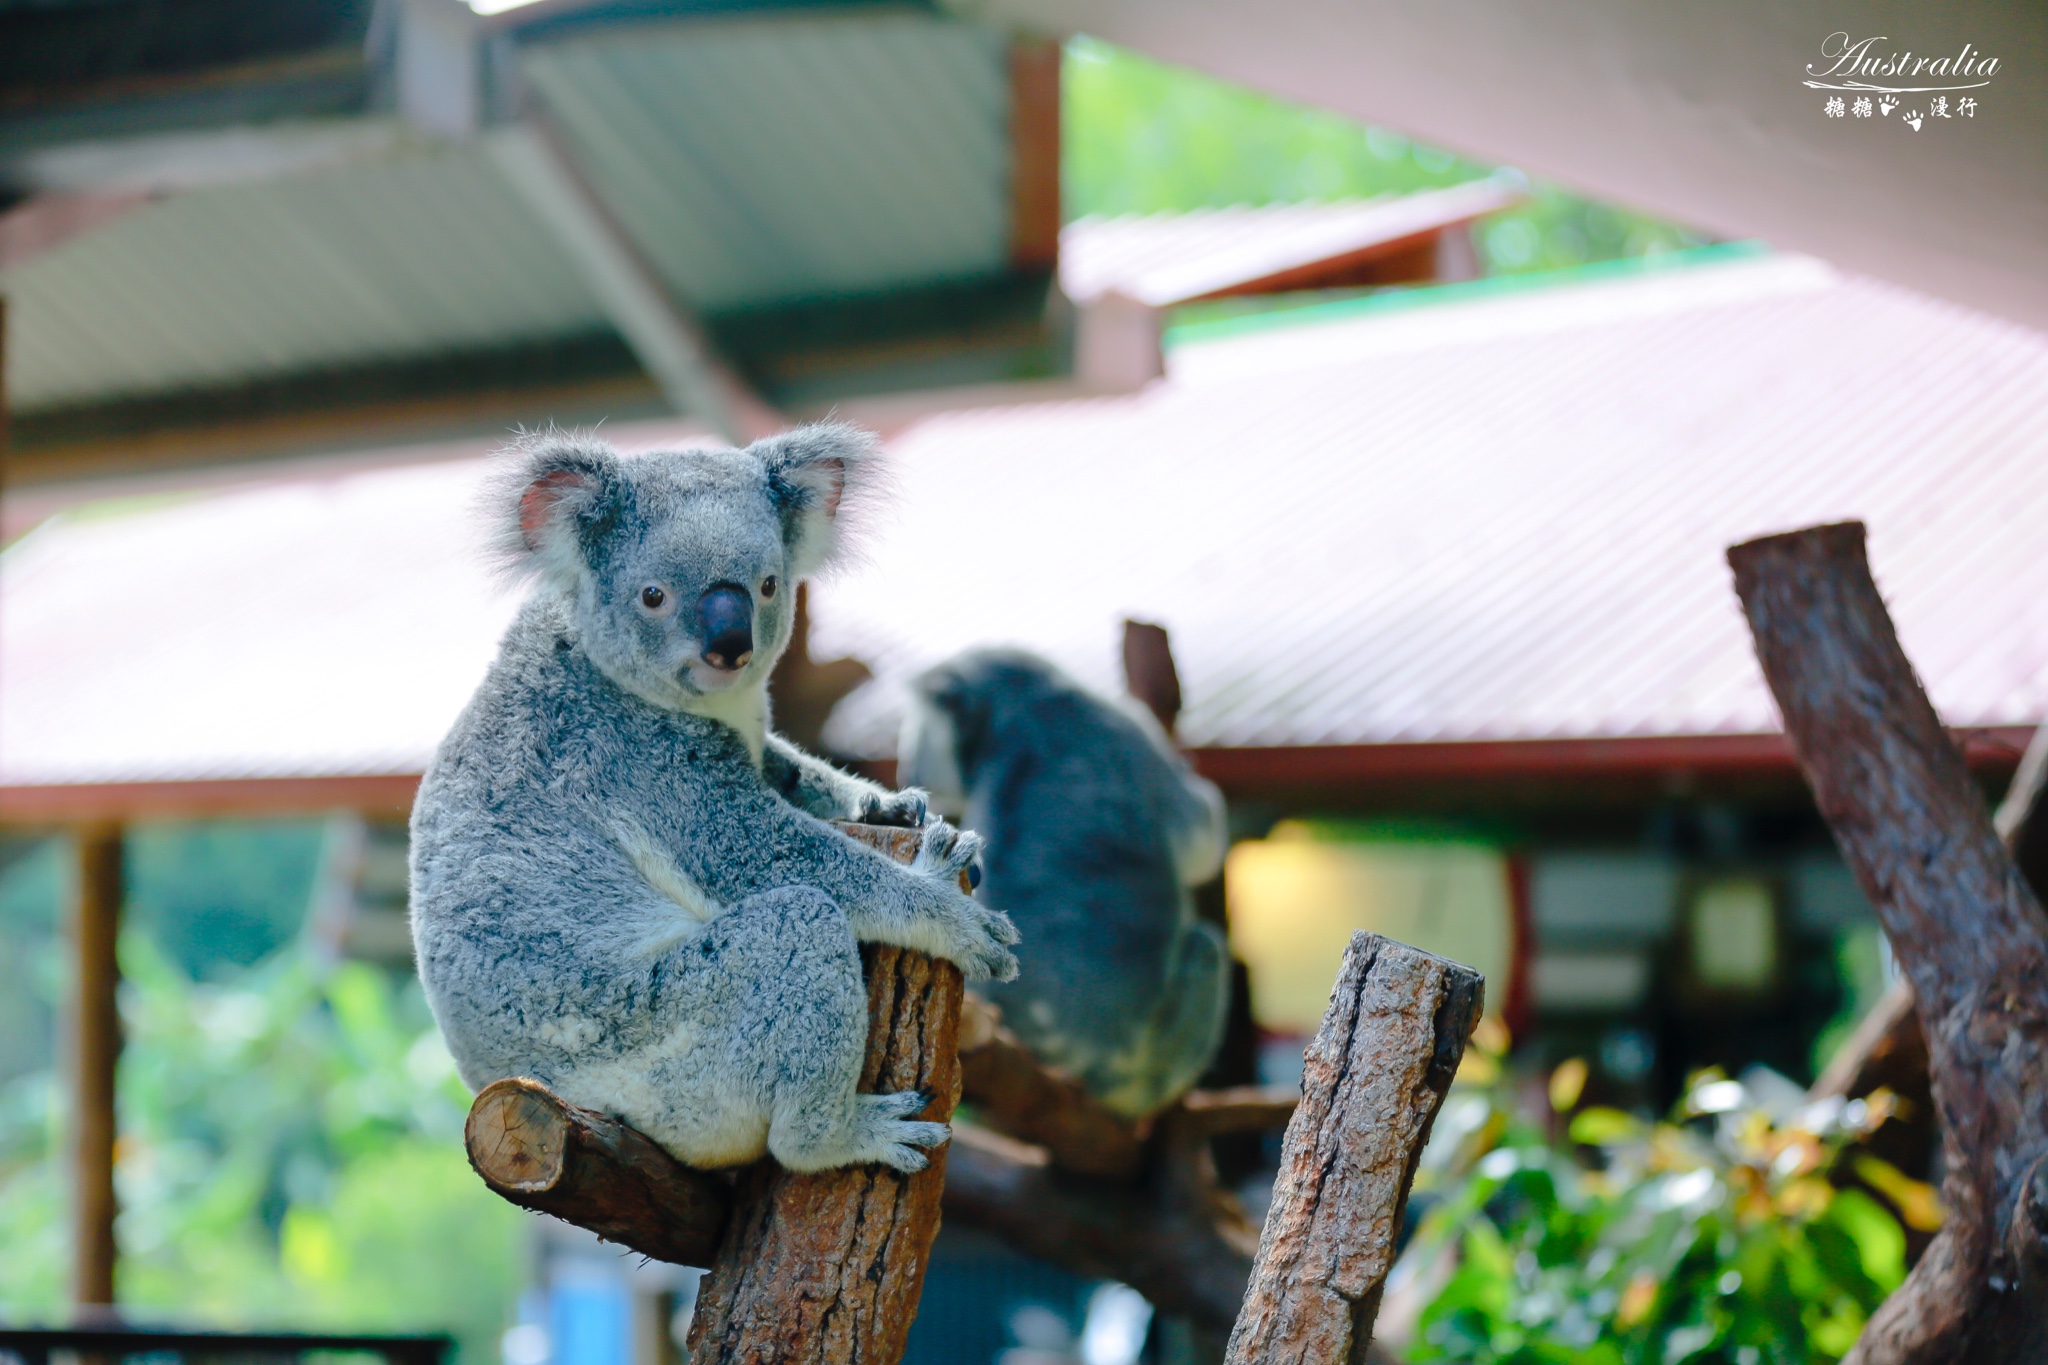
(1501, 518)
(754, 161)
(418, 250)
(766, 160)
(1498, 519)
(1168, 258)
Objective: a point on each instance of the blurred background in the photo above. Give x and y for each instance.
(1423, 460)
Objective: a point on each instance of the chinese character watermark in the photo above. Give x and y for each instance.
(1866, 74)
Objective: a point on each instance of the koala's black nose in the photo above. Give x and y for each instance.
(726, 615)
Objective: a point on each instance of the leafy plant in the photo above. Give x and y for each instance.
(290, 1155)
(1714, 1236)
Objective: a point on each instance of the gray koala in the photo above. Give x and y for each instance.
(1096, 831)
(622, 882)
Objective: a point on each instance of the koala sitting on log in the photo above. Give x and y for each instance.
(622, 882)
(1096, 832)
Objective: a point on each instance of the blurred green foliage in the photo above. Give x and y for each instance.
(290, 1146)
(223, 894)
(1144, 137)
(1716, 1236)
(1861, 968)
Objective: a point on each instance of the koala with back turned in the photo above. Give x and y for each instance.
(623, 884)
(1096, 833)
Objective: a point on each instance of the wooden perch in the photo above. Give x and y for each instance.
(1372, 1082)
(1188, 1257)
(828, 1266)
(1967, 932)
(1016, 1094)
(543, 1153)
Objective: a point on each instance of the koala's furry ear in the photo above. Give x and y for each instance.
(820, 476)
(554, 498)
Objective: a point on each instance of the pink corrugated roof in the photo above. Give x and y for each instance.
(1500, 518)
(1168, 258)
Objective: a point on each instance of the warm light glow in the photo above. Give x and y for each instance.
(1295, 901)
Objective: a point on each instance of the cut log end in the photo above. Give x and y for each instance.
(518, 1136)
(541, 1152)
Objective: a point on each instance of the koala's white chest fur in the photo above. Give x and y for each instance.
(745, 709)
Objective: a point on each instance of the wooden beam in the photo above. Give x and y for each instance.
(95, 1037)
(383, 794)
(1149, 673)
(1372, 1082)
(1251, 770)
(667, 337)
(1968, 934)
(1034, 153)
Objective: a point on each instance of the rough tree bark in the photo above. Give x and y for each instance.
(1968, 934)
(1372, 1082)
(828, 1266)
(1888, 1049)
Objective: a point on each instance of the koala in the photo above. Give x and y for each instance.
(1096, 832)
(622, 882)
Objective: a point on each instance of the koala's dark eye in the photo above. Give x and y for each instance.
(768, 587)
(652, 597)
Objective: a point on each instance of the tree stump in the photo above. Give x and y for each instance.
(1968, 933)
(1372, 1082)
(828, 1266)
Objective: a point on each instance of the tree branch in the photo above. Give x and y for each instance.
(545, 1154)
(1968, 934)
(1372, 1083)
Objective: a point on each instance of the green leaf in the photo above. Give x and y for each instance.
(1600, 1127)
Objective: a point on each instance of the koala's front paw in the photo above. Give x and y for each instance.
(907, 809)
(944, 852)
(980, 937)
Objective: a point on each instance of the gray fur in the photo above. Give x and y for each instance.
(622, 884)
(1096, 832)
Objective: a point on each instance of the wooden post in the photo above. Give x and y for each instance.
(1967, 932)
(828, 1266)
(1034, 153)
(95, 1056)
(1372, 1082)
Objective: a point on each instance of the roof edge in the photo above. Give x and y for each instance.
(1401, 300)
(1247, 771)
(1240, 772)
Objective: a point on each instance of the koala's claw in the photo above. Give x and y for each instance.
(902, 1104)
(907, 809)
(988, 956)
(893, 1137)
(944, 852)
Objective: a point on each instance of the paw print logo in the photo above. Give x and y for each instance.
(1887, 103)
(1911, 118)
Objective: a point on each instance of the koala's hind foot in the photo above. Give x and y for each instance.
(875, 1128)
